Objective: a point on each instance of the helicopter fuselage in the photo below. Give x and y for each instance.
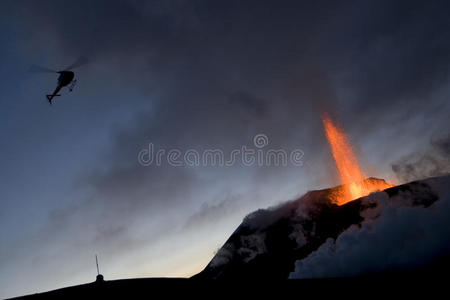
(65, 78)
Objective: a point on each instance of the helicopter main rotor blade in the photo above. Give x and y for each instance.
(39, 69)
(79, 62)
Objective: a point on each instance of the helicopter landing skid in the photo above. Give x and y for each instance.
(72, 85)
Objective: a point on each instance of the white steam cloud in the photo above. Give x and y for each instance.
(393, 236)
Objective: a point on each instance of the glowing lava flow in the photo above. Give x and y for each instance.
(353, 179)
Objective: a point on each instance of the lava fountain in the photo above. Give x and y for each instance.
(355, 184)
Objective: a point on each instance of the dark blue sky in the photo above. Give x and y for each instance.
(194, 75)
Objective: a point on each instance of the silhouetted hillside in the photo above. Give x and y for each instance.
(270, 246)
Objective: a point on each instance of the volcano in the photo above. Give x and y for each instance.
(269, 243)
(364, 227)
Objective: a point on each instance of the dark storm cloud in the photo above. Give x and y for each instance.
(290, 54)
(214, 74)
(249, 104)
(404, 52)
(294, 55)
(431, 161)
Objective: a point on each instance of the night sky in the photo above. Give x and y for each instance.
(196, 75)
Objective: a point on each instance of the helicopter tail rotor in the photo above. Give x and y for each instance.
(50, 97)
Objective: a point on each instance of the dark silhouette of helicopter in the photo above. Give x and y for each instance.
(66, 76)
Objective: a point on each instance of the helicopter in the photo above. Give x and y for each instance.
(66, 76)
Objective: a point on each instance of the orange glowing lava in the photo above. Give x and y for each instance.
(355, 184)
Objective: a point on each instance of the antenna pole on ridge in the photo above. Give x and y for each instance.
(96, 262)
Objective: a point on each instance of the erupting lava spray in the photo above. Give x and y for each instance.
(353, 179)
